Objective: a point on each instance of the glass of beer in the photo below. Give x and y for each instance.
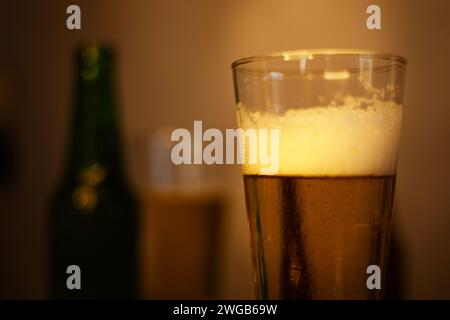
(320, 210)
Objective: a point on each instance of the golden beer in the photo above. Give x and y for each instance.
(314, 237)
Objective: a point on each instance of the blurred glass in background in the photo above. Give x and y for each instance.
(181, 222)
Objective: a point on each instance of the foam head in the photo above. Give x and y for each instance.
(356, 138)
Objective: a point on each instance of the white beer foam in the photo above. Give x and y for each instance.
(358, 138)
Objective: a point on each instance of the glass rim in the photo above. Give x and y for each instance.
(293, 55)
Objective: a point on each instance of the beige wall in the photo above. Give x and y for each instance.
(175, 67)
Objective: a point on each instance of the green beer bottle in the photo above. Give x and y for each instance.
(93, 219)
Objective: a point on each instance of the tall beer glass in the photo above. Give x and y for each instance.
(320, 223)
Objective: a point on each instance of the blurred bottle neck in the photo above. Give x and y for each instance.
(95, 141)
